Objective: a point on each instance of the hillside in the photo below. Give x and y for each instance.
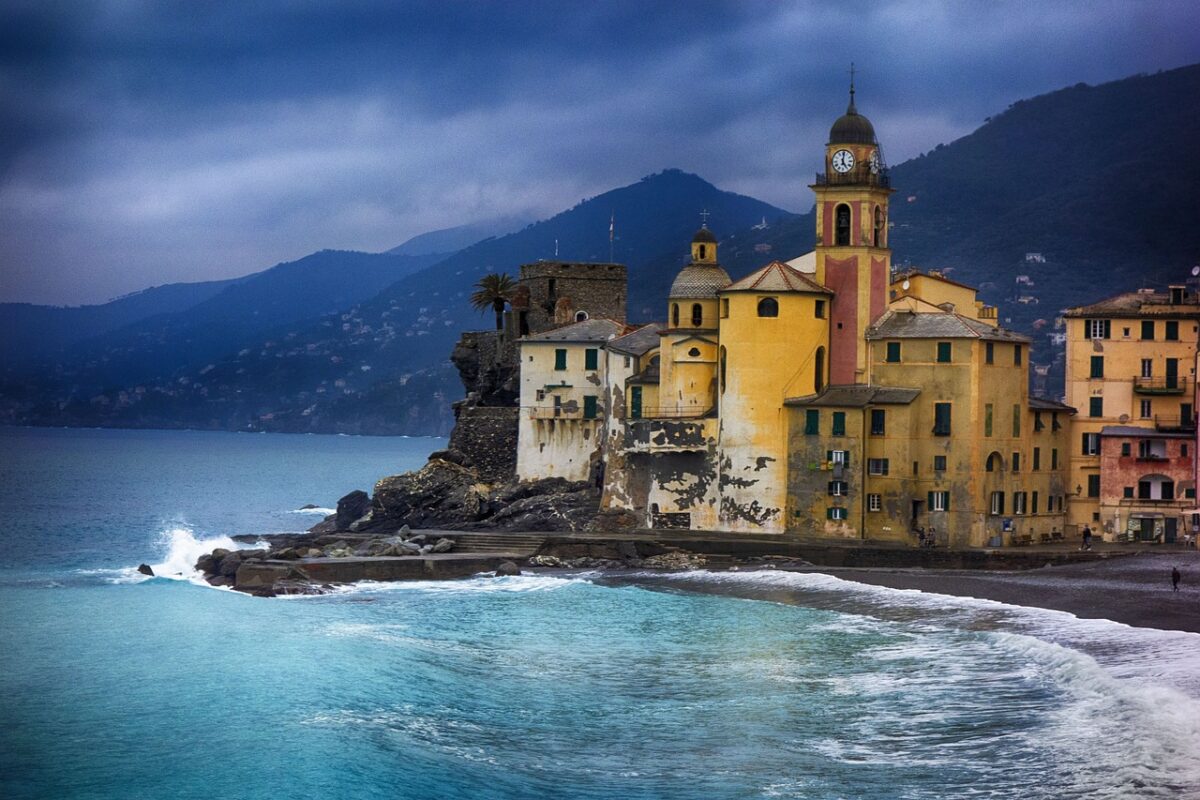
(1076, 179)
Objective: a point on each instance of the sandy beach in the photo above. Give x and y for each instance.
(1134, 590)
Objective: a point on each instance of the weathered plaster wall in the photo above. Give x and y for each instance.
(555, 439)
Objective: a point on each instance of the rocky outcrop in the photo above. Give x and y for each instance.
(351, 507)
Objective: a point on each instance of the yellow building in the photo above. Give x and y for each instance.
(1131, 372)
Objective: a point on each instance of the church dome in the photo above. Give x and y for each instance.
(852, 128)
(699, 281)
(704, 235)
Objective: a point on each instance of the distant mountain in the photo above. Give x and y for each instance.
(30, 333)
(380, 366)
(451, 240)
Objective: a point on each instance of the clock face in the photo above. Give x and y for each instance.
(843, 161)
(875, 163)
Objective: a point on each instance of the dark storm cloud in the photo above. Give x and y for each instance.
(143, 143)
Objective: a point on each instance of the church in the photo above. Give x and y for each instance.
(824, 396)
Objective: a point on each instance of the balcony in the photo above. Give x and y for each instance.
(670, 412)
(1174, 424)
(1160, 385)
(553, 412)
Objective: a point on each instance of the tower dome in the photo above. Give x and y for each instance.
(704, 235)
(852, 127)
(703, 277)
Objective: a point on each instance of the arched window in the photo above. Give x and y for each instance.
(994, 463)
(702, 251)
(842, 224)
(697, 315)
(819, 370)
(768, 307)
(722, 367)
(878, 226)
(675, 315)
(580, 316)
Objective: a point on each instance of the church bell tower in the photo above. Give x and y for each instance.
(852, 253)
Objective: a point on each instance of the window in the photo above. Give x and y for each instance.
(1097, 367)
(1185, 413)
(989, 353)
(939, 463)
(1172, 332)
(819, 369)
(916, 468)
(1144, 409)
(541, 394)
(1054, 458)
(941, 419)
(874, 502)
(697, 315)
(1016, 462)
(878, 226)
(1127, 492)
(722, 368)
(627, 361)
(1098, 328)
(1091, 444)
(1016, 426)
(939, 501)
(943, 352)
(1038, 425)
(987, 420)
(1183, 450)
(838, 456)
(1033, 506)
(1148, 330)
(1147, 367)
(768, 307)
(878, 421)
(993, 463)
(836, 513)
(1171, 378)
(839, 488)
(877, 466)
(842, 225)
(839, 423)
(1016, 355)
(997, 506)
(589, 406)
(1054, 423)
(819, 309)
(1125, 333)
(580, 316)
(591, 358)
(1095, 406)
(1019, 501)
(724, 307)
(1126, 449)
(560, 359)
(1093, 489)
(674, 315)
(703, 252)
(812, 422)
(893, 352)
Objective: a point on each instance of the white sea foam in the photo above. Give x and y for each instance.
(325, 512)
(182, 551)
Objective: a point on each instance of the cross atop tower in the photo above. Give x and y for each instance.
(704, 218)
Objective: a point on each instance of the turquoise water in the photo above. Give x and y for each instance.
(690, 686)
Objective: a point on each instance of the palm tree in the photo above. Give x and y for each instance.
(494, 290)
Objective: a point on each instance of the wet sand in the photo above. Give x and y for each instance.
(1135, 590)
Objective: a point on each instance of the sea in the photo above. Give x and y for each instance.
(755, 684)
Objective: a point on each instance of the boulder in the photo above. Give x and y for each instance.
(545, 561)
(229, 564)
(507, 568)
(405, 532)
(146, 570)
(443, 546)
(220, 580)
(206, 564)
(220, 553)
(426, 548)
(351, 508)
(309, 506)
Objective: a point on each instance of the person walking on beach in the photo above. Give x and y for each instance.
(1087, 538)
(1175, 576)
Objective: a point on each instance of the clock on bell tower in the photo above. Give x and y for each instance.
(852, 254)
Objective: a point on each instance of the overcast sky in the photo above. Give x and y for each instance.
(147, 142)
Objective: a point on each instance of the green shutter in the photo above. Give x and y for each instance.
(812, 422)
(929, 502)
(839, 423)
(1016, 420)
(591, 358)
(560, 359)
(943, 352)
(589, 407)
(987, 420)
(893, 352)
(1097, 367)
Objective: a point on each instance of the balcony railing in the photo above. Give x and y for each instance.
(861, 175)
(1174, 424)
(669, 412)
(552, 412)
(1160, 385)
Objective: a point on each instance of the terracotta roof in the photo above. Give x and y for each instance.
(777, 277)
(589, 330)
(640, 341)
(856, 396)
(697, 281)
(944, 325)
(900, 277)
(1142, 303)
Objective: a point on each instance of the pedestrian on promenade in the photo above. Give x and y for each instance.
(1087, 538)
(1175, 576)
